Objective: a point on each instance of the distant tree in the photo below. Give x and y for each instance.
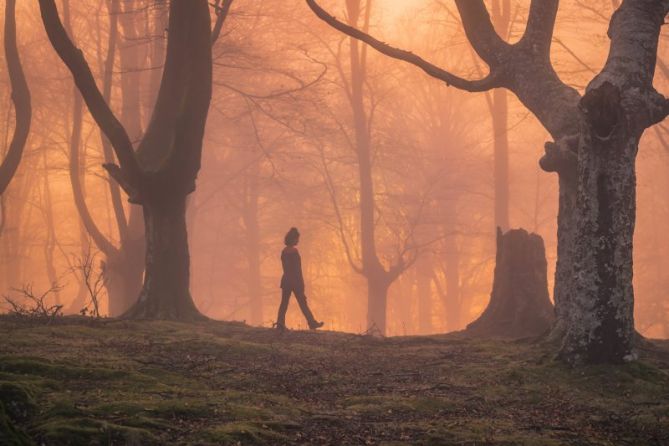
(596, 141)
(162, 173)
(379, 277)
(123, 262)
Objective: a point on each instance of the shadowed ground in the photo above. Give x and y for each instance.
(114, 382)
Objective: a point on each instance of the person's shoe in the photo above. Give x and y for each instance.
(280, 328)
(315, 324)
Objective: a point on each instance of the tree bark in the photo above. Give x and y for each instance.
(166, 290)
(519, 303)
(619, 104)
(377, 305)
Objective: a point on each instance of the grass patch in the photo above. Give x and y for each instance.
(122, 382)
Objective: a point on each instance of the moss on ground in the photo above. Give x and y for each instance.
(121, 382)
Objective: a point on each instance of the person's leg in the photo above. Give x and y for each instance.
(283, 307)
(302, 301)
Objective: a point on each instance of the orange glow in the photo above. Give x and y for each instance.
(280, 123)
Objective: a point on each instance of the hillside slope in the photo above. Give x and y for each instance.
(82, 382)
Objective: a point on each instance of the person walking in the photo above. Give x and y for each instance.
(293, 282)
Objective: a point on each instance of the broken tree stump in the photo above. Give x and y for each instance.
(519, 304)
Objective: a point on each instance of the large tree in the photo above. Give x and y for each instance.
(162, 172)
(594, 147)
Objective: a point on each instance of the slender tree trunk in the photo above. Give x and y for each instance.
(125, 273)
(50, 242)
(253, 247)
(424, 293)
(453, 298)
(166, 293)
(501, 19)
(500, 121)
(404, 305)
(125, 268)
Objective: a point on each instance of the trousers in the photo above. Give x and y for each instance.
(302, 302)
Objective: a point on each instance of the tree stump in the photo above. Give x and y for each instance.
(519, 303)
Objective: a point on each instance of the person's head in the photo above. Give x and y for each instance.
(292, 237)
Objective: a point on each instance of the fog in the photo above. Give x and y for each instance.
(295, 106)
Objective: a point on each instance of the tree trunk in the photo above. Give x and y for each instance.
(564, 267)
(619, 105)
(600, 324)
(499, 108)
(377, 304)
(50, 242)
(500, 122)
(424, 294)
(163, 170)
(252, 227)
(519, 304)
(453, 297)
(124, 273)
(166, 294)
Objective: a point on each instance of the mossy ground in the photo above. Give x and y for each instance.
(82, 382)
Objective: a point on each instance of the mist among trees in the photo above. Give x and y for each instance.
(469, 176)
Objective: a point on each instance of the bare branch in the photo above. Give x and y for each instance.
(484, 84)
(222, 12)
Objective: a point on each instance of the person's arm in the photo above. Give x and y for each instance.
(299, 278)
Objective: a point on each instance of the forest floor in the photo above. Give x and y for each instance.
(81, 381)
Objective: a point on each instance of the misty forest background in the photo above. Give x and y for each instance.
(447, 166)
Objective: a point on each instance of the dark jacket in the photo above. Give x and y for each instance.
(292, 269)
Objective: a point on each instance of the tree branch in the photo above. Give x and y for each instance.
(481, 32)
(114, 191)
(83, 78)
(75, 178)
(222, 12)
(484, 84)
(172, 145)
(540, 26)
(20, 97)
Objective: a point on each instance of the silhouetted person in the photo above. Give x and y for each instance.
(293, 282)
